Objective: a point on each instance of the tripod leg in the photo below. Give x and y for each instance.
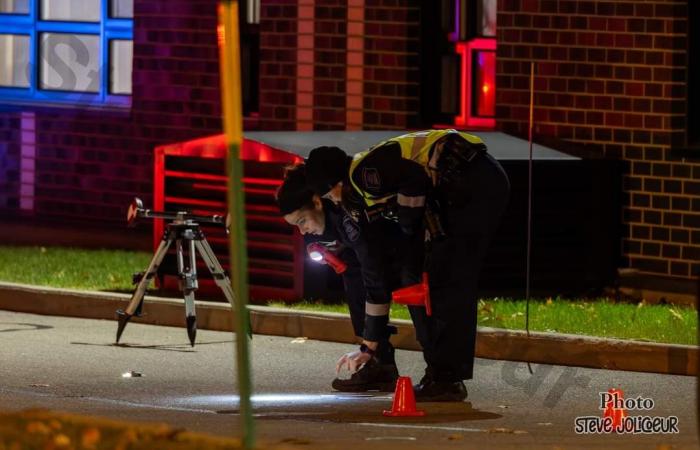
(189, 286)
(220, 278)
(134, 307)
(219, 274)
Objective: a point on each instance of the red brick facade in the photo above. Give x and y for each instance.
(389, 68)
(392, 65)
(611, 82)
(90, 164)
(278, 59)
(611, 78)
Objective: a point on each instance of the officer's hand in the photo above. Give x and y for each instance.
(352, 361)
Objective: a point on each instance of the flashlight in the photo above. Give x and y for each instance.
(320, 253)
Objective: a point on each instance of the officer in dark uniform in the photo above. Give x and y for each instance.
(452, 174)
(368, 252)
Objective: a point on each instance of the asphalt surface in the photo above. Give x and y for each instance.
(72, 365)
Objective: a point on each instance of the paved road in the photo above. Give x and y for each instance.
(72, 365)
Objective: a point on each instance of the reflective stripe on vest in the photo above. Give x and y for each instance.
(415, 146)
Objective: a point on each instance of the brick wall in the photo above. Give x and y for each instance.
(278, 60)
(330, 38)
(90, 164)
(611, 78)
(9, 160)
(392, 64)
(306, 72)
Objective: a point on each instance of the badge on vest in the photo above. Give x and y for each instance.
(370, 178)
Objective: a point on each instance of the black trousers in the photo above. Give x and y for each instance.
(472, 208)
(355, 293)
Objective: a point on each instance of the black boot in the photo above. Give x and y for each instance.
(378, 374)
(439, 387)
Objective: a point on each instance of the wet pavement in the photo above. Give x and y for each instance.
(73, 365)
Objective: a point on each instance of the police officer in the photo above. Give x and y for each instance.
(452, 173)
(366, 280)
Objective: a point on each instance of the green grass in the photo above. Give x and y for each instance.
(111, 270)
(99, 270)
(604, 318)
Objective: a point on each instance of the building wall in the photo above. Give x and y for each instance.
(278, 64)
(611, 82)
(90, 163)
(81, 164)
(339, 64)
(9, 161)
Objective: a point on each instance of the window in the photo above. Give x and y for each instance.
(458, 58)
(71, 52)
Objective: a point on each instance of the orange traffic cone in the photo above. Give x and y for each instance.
(415, 295)
(404, 400)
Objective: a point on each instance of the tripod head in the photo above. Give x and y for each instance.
(137, 211)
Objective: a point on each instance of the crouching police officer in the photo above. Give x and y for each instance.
(368, 252)
(467, 191)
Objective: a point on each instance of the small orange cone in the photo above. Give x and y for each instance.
(404, 400)
(415, 295)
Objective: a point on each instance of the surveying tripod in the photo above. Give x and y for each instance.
(185, 231)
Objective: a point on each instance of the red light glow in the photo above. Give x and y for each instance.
(477, 105)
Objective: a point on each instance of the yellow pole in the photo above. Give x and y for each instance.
(230, 66)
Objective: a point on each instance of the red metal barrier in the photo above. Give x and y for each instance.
(191, 176)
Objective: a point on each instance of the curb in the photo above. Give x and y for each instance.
(492, 343)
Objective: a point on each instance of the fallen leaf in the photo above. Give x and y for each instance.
(61, 441)
(455, 437)
(500, 430)
(38, 428)
(90, 437)
(299, 340)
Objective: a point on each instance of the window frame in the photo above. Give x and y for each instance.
(31, 25)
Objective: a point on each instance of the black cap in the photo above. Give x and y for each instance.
(325, 167)
(293, 194)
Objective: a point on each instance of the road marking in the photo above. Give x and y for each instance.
(391, 438)
(419, 427)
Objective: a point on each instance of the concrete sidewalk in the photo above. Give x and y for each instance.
(546, 348)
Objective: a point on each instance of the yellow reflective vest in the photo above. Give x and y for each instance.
(415, 146)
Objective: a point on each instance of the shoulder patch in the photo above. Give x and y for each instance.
(370, 178)
(351, 228)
